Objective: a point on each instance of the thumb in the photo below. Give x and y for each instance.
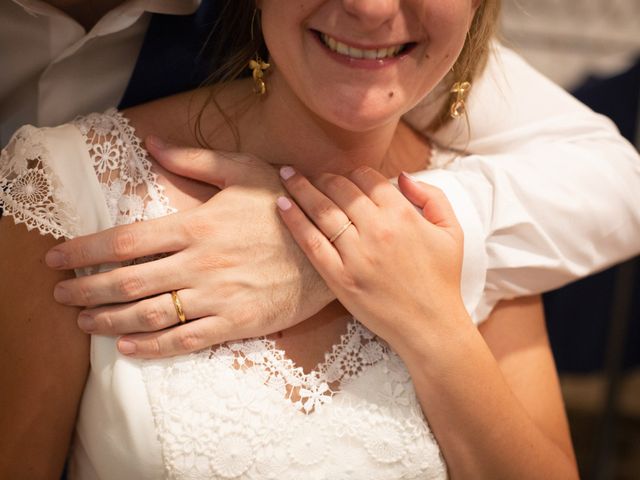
(431, 200)
(214, 168)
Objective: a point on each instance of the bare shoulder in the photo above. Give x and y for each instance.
(185, 120)
(188, 118)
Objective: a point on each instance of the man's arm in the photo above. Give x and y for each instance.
(555, 186)
(552, 189)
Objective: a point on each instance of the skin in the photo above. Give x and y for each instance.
(43, 374)
(298, 87)
(491, 397)
(468, 381)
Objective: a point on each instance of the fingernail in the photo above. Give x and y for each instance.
(61, 294)
(287, 172)
(283, 203)
(126, 347)
(55, 259)
(156, 142)
(409, 177)
(86, 322)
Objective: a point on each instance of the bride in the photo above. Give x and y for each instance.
(411, 389)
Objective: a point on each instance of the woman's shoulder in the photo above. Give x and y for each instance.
(190, 117)
(77, 178)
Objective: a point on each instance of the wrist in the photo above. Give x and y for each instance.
(422, 340)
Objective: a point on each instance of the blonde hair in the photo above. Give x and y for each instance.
(473, 58)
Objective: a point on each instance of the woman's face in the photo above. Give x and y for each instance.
(359, 64)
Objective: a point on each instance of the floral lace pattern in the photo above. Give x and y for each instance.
(241, 410)
(130, 187)
(228, 412)
(30, 191)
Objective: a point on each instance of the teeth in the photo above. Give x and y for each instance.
(356, 52)
(371, 54)
(353, 52)
(342, 49)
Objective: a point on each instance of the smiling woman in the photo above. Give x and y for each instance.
(393, 380)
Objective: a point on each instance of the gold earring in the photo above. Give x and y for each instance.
(458, 107)
(258, 67)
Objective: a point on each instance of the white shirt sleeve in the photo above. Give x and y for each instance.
(554, 185)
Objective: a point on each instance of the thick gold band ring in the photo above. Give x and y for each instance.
(341, 231)
(178, 305)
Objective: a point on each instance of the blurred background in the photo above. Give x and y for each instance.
(592, 49)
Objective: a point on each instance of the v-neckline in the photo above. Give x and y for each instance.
(356, 349)
(305, 390)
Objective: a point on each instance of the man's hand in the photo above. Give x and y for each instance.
(237, 271)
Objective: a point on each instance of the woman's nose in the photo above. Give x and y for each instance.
(372, 13)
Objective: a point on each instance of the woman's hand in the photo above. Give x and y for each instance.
(237, 271)
(391, 268)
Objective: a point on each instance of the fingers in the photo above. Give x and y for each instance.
(215, 168)
(314, 243)
(149, 315)
(119, 244)
(323, 211)
(122, 284)
(431, 200)
(183, 339)
(375, 185)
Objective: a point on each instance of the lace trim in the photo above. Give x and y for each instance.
(30, 191)
(217, 421)
(357, 349)
(214, 417)
(130, 187)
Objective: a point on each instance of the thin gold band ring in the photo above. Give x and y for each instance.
(341, 231)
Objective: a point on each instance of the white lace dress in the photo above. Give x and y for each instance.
(238, 411)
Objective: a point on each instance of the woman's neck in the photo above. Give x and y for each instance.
(281, 130)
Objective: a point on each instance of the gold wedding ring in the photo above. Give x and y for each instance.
(341, 231)
(178, 305)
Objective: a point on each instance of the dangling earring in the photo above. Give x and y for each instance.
(256, 64)
(458, 107)
(258, 68)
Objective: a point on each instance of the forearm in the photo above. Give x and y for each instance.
(482, 428)
(545, 175)
(574, 217)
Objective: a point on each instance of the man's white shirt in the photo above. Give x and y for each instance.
(550, 191)
(53, 70)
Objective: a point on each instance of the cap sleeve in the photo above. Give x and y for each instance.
(30, 190)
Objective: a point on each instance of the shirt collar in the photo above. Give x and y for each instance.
(167, 7)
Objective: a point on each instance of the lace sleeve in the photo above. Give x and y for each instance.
(130, 188)
(79, 178)
(30, 190)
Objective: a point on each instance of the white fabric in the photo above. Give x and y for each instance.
(540, 159)
(52, 70)
(241, 410)
(554, 185)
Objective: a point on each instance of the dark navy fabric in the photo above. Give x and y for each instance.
(579, 315)
(172, 58)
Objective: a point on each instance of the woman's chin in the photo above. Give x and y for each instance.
(363, 120)
(363, 114)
